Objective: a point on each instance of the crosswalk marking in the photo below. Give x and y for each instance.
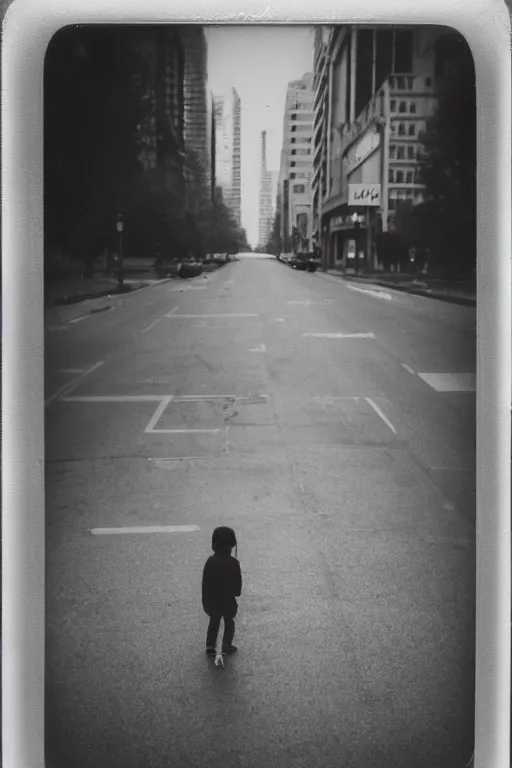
(450, 382)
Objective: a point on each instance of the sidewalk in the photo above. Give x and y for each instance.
(75, 289)
(458, 292)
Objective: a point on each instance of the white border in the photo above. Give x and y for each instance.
(28, 27)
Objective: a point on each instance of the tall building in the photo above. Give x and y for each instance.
(295, 174)
(375, 88)
(227, 110)
(267, 195)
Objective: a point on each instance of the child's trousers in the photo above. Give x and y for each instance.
(213, 629)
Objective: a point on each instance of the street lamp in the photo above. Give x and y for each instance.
(120, 227)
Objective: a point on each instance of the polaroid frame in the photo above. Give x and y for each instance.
(28, 26)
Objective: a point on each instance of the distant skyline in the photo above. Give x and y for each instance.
(259, 61)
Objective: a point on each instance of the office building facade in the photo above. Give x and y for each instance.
(375, 88)
(227, 115)
(294, 187)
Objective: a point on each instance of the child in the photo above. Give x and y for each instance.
(222, 584)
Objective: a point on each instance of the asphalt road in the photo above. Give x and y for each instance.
(348, 472)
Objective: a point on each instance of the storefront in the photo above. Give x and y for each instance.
(361, 186)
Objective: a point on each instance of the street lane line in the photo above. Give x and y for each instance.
(113, 399)
(309, 303)
(145, 529)
(71, 370)
(369, 292)
(381, 414)
(261, 348)
(158, 413)
(183, 431)
(450, 382)
(67, 388)
(408, 369)
(152, 325)
(172, 312)
(182, 317)
(79, 319)
(339, 335)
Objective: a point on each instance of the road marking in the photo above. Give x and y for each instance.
(158, 413)
(339, 335)
(52, 328)
(309, 303)
(261, 348)
(152, 325)
(183, 431)
(172, 312)
(145, 529)
(369, 292)
(408, 369)
(182, 317)
(67, 388)
(79, 319)
(71, 370)
(381, 414)
(450, 382)
(280, 320)
(113, 399)
(180, 458)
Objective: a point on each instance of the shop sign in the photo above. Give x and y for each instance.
(340, 222)
(369, 142)
(364, 194)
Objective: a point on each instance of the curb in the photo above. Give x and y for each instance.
(461, 300)
(70, 300)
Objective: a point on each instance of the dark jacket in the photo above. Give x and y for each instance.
(222, 583)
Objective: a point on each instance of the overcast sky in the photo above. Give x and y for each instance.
(258, 61)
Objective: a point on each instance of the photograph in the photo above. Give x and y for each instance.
(260, 396)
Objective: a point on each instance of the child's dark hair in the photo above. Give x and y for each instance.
(223, 539)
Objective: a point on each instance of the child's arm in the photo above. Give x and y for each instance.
(205, 588)
(238, 580)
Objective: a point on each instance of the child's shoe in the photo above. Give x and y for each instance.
(229, 649)
(210, 650)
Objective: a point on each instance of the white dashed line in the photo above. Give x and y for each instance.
(79, 319)
(339, 335)
(369, 292)
(71, 370)
(149, 327)
(145, 529)
(183, 317)
(450, 382)
(113, 399)
(381, 414)
(408, 369)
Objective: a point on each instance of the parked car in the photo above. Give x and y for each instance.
(299, 261)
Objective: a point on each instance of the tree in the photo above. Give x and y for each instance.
(275, 244)
(447, 165)
(94, 87)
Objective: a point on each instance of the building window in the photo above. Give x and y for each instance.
(409, 177)
(391, 176)
(294, 128)
(392, 151)
(392, 106)
(293, 152)
(292, 164)
(411, 152)
(402, 107)
(399, 177)
(412, 129)
(412, 107)
(293, 140)
(401, 129)
(400, 153)
(428, 82)
(293, 175)
(299, 189)
(293, 117)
